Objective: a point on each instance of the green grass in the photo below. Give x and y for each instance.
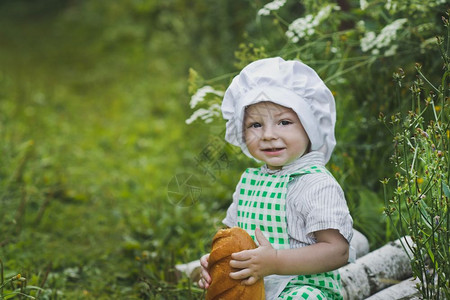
(90, 136)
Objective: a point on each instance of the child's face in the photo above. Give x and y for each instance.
(274, 134)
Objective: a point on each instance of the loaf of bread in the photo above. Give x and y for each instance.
(223, 287)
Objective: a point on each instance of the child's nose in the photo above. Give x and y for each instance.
(269, 133)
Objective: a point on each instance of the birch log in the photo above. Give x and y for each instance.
(360, 243)
(375, 271)
(191, 270)
(404, 290)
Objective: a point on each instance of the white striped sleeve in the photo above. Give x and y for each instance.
(321, 204)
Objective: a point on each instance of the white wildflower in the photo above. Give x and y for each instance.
(394, 6)
(201, 93)
(361, 25)
(388, 34)
(363, 4)
(207, 115)
(391, 5)
(271, 6)
(304, 27)
(391, 51)
(299, 27)
(368, 41)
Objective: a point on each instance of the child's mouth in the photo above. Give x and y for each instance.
(273, 150)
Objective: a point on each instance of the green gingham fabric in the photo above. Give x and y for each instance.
(318, 286)
(262, 204)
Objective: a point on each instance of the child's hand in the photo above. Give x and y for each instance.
(256, 263)
(205, 278)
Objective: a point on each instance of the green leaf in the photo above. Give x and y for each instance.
(446, 190)
(32, 287)
(9, 296)
(425, 216)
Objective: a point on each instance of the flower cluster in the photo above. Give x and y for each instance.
(201, 93)
(271, 6)
(374, 43)
(306, 26)
(363, 4)
(394, 6)
(206, 114)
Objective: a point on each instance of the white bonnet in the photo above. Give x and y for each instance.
(291, 84)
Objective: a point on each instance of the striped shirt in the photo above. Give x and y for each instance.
(313, 202)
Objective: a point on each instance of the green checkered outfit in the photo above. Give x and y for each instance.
(262, 204)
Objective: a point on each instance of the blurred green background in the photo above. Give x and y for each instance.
(93, 101)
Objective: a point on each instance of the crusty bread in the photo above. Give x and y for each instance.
(223, 287)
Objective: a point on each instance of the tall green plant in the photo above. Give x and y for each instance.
(420, 200)
(9, 290)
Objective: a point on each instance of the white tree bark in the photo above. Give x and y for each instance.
(403, 290)
(359, 243)
(191, 270)
(375, 271)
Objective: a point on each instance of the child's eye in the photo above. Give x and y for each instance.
(285, 122)
(254, 125)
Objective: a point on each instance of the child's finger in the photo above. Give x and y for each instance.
(204, 260)
(239, 264)
(205, 275)
(250, 281)
(241, 274)
(205, 279)
(200, 283)
(262, 240)
(203, 284)
(243, 255)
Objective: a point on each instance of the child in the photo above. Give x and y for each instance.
(282, 114)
